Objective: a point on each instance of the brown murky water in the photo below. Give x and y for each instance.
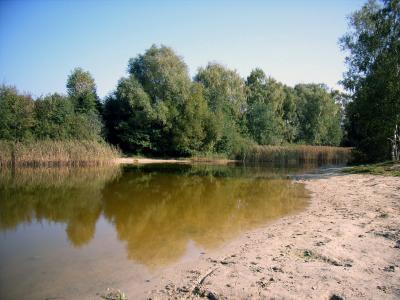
(65, 233)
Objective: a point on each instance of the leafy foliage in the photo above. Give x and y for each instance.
(265, 108)
(159, 110)
(319, 115)
(163, 74)
(373, 78)
(82, 91)
(278, 114)
(225, 93)
(16, 115)
(54, 116)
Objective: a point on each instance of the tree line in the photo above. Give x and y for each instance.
(159, 110)
(75, 116)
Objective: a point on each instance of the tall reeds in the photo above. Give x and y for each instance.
(295, 154)
(49, 153)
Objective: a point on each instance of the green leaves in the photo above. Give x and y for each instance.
(82, 91)
(80, 82)
(318, 114)
(162, 74)
(225, 93)
(128, 114)
(265, 98)
(373, 77)
(158, 110)
(16, 115)
(224, 89)
(54, 116)
(279, 114)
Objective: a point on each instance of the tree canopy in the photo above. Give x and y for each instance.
(81, 89)
(157, 109)
(16, 115)
(55, 116)
(373, 77)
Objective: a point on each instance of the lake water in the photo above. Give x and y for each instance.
(71, 232)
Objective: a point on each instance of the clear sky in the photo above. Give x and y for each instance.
(293, 41)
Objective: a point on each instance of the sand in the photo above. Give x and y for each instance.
(346, 244)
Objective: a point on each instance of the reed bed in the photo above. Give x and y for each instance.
(31, 178)
(56, 153)
(295, 154)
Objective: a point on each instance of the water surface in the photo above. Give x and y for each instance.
(70, 232)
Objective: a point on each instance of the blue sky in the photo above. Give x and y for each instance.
(292, 41)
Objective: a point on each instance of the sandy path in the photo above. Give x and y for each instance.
(347, 243)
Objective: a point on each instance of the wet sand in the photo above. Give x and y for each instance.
(345, 244)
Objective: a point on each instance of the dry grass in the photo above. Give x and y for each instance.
(297, 154)
(66, 177)
(57, 153)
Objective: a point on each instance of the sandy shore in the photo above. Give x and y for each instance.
(345, 244)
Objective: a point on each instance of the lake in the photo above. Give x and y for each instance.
(72, 232)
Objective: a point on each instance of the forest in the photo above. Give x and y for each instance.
(157, 109)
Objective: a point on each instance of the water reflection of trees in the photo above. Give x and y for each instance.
(70, 196)
(156, 211)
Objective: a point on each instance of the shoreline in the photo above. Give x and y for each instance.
(345, 244)
(132, 160)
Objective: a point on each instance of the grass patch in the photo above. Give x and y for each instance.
(388, 168)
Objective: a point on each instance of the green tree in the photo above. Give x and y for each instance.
(290, 117)
(54, 115)
(87, 126)
(157, 109)
(265, 108)
(130, 118)
(264, 127)
(319, 115)
(225, 93)
(164, 77)
(16, 115)
(163, 74)
(224, 89)
(56, 119)
(82, 90)
(189, 131)
(372, 78)
(86, 122)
